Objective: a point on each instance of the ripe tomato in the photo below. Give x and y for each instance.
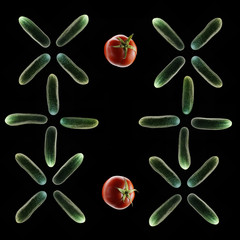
(118, 192)
(120, 50)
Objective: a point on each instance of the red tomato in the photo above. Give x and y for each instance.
(120, 50)
(118, 192)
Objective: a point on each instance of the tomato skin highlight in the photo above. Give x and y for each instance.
(116, 55)
(113, 197)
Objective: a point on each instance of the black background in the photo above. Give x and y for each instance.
(118, 98)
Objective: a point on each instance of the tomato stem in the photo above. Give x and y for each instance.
(126, 191)
(125, 45)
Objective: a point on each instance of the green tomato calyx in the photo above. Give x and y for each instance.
(125, 45)
(126, 192)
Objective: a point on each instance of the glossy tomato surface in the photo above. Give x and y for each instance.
(113, 197)
(116, 55)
